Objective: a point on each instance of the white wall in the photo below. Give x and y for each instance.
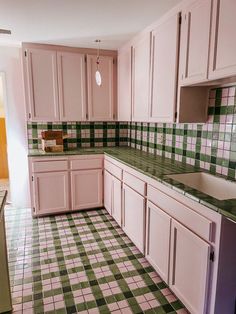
(10, 64)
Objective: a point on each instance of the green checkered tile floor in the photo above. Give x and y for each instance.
(80, 262)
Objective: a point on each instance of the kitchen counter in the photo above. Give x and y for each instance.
(156, 167)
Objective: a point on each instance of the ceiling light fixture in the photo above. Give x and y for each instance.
(98, 76)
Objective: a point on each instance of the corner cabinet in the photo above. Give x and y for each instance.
(101, 99)
(41, 85)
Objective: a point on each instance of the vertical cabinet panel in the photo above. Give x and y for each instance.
(223, 41)
(189, 268)
(86, 189)
(158, 240)
(41, 85)
(134, 216)
(165, 42)
(51, 192)
(108, 191)
(141, 78)
(100, 98)
(124, 85)
(116, 212)
(195, 36)
(72, 92)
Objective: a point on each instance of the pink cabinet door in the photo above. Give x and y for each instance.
(51, 192)
(108, 191)
(141, 78)
(158, 240)
(195, 37)
(165, 42)
(223, 39)
(101, 98)
(116, 206)
(71, 80)
(41, 85)
(189, 268)
(134, 216)
(124, 84)
(86, 189)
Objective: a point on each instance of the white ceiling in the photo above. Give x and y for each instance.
(78, 22)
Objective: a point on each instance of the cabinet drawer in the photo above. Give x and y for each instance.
(184, 214)
(80, 164)
(135, 183)
(47, 166)
(114, 170)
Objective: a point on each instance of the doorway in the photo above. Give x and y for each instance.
(4, 172)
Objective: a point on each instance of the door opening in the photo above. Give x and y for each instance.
(4, 172)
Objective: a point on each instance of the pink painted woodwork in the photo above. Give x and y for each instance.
(116, 207)
(72, 86)
(223, 40)
(195, 37)
(158, 240)
(134, 216)
(141, 78)
(189, 268)
(86, 189)
(124, 84)
(108, 190)
(51, 192)
(116, 171)
(41, 85)
(134, 182)
(165, 42)
(100, 98)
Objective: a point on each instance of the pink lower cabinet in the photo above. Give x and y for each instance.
(189, 268)
(51, 192)
(158, 226)
(112, 196)
(86, 189)
(134, 216)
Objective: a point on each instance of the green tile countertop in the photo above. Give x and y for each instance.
(3, 195)
(156, 167)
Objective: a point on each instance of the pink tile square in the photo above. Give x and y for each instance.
(59, 305)
(145, 306)
(113, 306)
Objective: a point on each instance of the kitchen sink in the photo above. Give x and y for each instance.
(216, 187)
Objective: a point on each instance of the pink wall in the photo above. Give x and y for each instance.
(10, 64)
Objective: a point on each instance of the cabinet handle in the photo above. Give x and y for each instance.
(174, 257)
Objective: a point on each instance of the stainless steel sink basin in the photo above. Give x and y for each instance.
(216, 187)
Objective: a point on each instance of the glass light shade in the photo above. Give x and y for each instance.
(98, 78)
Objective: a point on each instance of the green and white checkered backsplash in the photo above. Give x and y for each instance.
(211, 146)
(81, 134)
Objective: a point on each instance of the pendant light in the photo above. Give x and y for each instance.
(98, 76)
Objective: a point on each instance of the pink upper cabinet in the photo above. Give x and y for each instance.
(195, 36)
(101, 98)
(72, 88)
(141, 77)
(165, 42)
(223, 40)
(41, 85)
(124, 84)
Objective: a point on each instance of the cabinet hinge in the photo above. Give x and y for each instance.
(212, 256)
(114, 61)
(86, 116)
(32, 178)
(180, 19)
(29, 115)
(176, 114)
(85, 58)
(25, 53)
